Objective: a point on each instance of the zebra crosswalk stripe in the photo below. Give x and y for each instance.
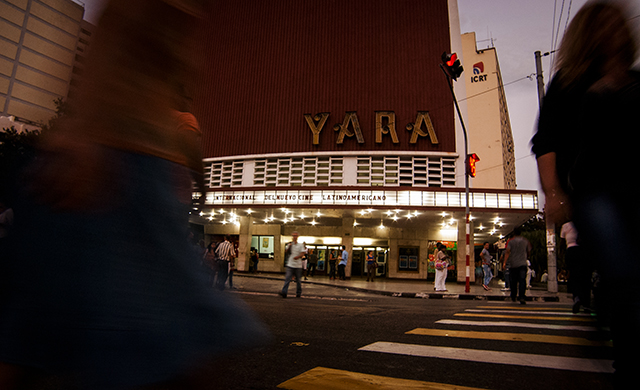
(526, 337)
(548, 313)
(493, 357)
(518, 325)
(545, 318)
(322, 378)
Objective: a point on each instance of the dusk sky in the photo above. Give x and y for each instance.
(516, 28)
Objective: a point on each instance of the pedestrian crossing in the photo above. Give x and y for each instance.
(486, 324)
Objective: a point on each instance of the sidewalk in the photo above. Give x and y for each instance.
(398, 288)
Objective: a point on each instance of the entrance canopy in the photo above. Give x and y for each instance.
(494, 213)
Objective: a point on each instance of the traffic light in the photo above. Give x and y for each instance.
(451, 65)
(471, 164)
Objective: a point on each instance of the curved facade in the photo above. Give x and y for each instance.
(333, 119)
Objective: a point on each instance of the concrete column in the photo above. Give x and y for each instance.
(245, 233)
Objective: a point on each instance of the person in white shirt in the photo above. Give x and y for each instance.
(295, 252)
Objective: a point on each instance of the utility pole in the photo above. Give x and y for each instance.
(552, 283)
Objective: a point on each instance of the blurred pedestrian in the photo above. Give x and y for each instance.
(113, 296)
(479, 272)
(580, 270)
(530, 274)
(518, 250)
(305, 261)
(210, 262)
(595, 92)
(486, 266)
(293, 266)
(342, 265)
(225, 255)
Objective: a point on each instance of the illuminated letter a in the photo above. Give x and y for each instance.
(416, 128)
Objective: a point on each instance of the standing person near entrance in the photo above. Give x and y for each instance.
(518, 250)
(210, 262)
(225, 254)
(293, 266)
(342, 265)
(332, 265)
(486, 266)
(371, 266)
(312, 259)
(255, 259)
(441, 264)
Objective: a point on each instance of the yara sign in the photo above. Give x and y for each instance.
(385, 125)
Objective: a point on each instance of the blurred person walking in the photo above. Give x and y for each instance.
(210, 262)
(296, 252)
(595, 94)
(515, 257)
(113, 296)
(342, 265)
(225, 254)
(486, 266)
(580, 270)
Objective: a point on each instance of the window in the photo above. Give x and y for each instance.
(408, 258)
(264, 246)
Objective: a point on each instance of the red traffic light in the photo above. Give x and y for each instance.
(452, 59)
(471, 164)
(451, 65)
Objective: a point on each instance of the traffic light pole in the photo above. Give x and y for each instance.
(467, 221)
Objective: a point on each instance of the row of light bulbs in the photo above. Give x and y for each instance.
(452, 221)
(232, 217)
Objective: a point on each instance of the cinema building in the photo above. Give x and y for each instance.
(334, 119)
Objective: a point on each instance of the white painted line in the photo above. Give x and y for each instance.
(518, 325)
(494, 357)
(551, 313)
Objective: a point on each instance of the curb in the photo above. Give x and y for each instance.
(468, 297)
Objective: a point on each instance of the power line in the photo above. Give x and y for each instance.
(530, 77)
(557, 33)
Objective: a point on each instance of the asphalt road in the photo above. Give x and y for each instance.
(475, 344)
(338, 339)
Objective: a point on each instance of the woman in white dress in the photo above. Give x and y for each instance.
(441, 264)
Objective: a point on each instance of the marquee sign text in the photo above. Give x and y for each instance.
(385, 122)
